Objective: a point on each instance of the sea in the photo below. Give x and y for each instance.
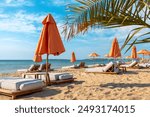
(10, 66)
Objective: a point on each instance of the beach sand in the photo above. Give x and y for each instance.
(133, 85)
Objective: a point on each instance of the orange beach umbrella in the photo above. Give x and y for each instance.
(93, 54)
(148, 53)
(115, 50)
(49, 42)
(73, 57)
(128, 57)
(144, 52)
(106, 55)
(133, 52)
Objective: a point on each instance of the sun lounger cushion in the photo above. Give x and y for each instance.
(14, 83)
(65, 76)
(58, 76)
(33, 67)
(108, 66)
(68, 67)
(43, 67)
(55, 76)
(31, 85)
(133, 64)
(100, 69)
(95, 65)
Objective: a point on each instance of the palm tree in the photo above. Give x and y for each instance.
(109, 14)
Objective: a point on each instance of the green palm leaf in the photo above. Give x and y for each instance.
(88, 14)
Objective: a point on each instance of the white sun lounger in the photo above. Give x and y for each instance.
(131, 65)
(144, 65)
(18, 86)
(55, 78)
(104, 70)
(94, 65)
(68, 67)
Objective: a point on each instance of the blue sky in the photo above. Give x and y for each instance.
(20, 26)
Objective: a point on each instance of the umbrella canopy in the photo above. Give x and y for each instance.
(148, 53)
(115, 50)
(73, 57)
(128, 57)
(144, 52)
(133, 52)
(106, 55)
(93, 55)
(49, 42)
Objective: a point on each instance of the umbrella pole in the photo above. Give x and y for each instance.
(47, 75)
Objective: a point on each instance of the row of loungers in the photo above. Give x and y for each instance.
(15, 86)
(36, 68)
(82, 65)
(117, 67)
(55, 78)
(135, 64)
(34, 81)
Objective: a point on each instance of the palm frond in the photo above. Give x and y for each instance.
(88, 14)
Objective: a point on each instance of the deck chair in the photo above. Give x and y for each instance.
(55, 78)
(80, 65)
(42, 68)
(133, 64)
(18, 86)
(94, 65)
(36, 68)
(144, 65)
(108, 69)
(69, 67)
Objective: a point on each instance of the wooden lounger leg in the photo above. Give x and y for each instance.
(13, 97)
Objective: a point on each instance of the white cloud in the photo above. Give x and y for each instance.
(59, 2)
(8, 1)
(25, 22)
(20, 22)
(16, 3)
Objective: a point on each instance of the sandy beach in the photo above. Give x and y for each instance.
(133, 85)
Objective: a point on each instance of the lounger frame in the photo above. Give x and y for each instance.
(62, 81)
(51, 82)
(14, 94)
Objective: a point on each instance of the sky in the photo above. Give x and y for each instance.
(20, 28)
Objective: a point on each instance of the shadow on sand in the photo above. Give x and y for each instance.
(124, 85)
(45, 93)
(67, 84)
(144, 71)
(131, 72)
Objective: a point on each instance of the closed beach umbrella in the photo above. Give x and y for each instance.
(143, 52)
(49, 42)
(115, 50)
(134, 53)
(73, 57)
(93, 55)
